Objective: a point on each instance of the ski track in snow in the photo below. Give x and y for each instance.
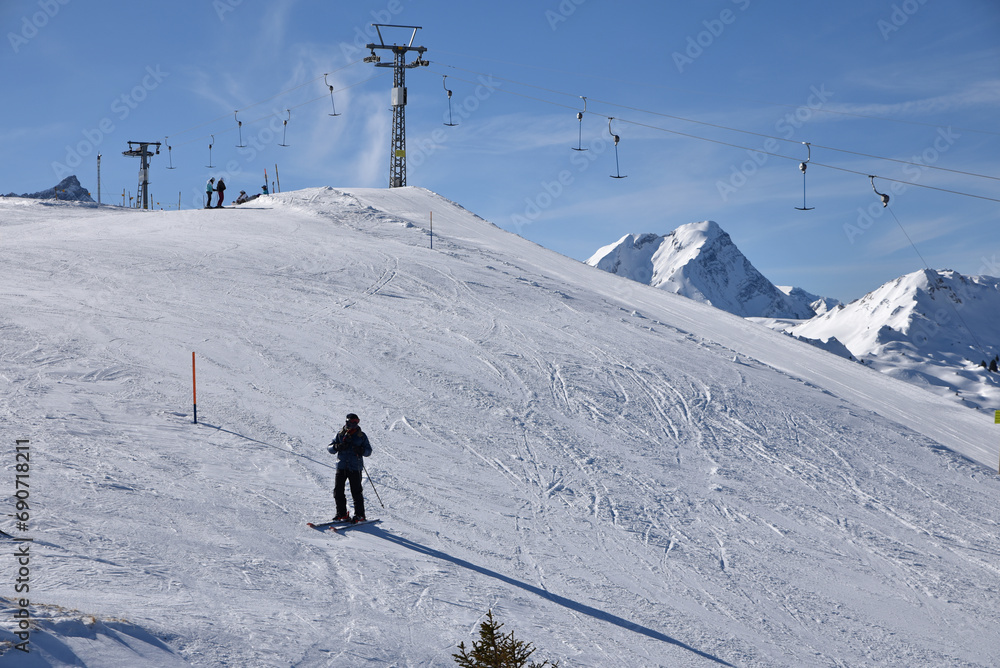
(625, 477)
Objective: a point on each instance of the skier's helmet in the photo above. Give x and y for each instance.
(351, 417)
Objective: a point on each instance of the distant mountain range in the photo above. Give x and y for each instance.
(819, 305)
(67, 189)
(933, 328)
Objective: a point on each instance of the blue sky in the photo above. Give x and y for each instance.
(711, 101)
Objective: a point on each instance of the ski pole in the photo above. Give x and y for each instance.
(372, 484)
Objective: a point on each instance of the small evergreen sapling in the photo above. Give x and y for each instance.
(497, 650)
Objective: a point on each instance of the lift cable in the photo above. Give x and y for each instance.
(272, 115)
(723, 127)
(289, 90)
(709, 94)
(817, 164)
(745, 148)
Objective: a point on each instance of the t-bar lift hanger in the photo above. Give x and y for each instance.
(617, 169)
(284, 130)
(885, 198)
(332, 103)
(802, 168)
(579, 117)
(444, 82)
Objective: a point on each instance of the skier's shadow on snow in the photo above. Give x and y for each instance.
(555, 598)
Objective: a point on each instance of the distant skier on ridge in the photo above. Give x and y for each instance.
(350, 445)
(209, 189)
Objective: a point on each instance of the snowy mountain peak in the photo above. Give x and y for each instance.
(923, 307)
(701, 262)
(699, 233)
(942, 318)
(67, 189)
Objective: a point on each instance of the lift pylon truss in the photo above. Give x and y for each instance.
(397, 146)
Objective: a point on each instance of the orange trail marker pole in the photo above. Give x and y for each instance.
(194, 390)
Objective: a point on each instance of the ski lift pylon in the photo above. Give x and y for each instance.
(802, 168)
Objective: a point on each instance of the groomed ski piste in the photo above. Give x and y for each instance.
(625, 477)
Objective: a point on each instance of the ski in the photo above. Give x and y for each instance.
(337, 525)
(323, 526)
(340, 527)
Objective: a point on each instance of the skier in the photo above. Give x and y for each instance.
(209, 189)
(351, 445)
(221, 189)
(243, 197)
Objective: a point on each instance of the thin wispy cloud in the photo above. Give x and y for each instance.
(978, 95)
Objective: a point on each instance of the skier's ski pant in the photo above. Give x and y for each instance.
(357, 495)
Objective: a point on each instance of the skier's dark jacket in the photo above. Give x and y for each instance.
(350, 448)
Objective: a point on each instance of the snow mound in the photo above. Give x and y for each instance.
(830, 345)
(60, 637)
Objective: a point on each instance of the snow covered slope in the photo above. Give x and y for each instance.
(932, 328)
(701, 262)
(625, 477)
